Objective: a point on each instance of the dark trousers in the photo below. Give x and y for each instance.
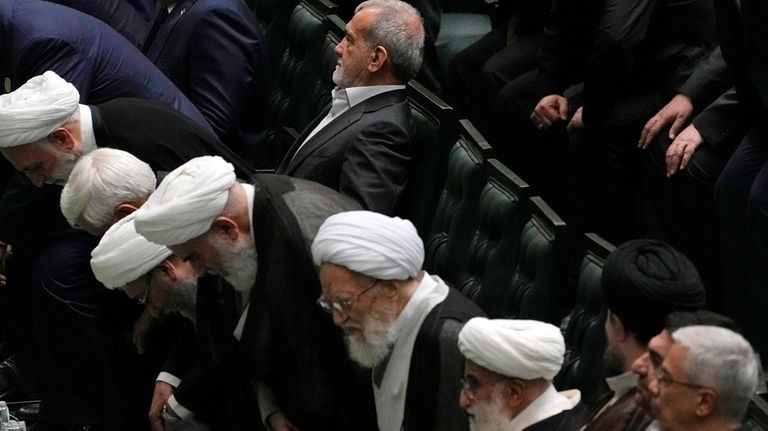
(604, 174)
(476, 74)
(681, 209)
(741, 196)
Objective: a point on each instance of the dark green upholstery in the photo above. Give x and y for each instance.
(538, 287)
(585, 334)
(492, 254)
(302, 84)
(434, 134)
(458, 208)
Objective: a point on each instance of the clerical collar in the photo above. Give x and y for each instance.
(622, 383)
(87, 137)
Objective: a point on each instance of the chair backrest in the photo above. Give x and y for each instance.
(457, 210)
(757, 415)
(585, 334)
(302, 82)
(538, 289)
(492, 254)
(434, 134)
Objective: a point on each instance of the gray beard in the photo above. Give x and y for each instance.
(182, 298)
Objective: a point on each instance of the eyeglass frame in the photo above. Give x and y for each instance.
(662, 376)
(469, 387)
(342, 305)
(147, 285)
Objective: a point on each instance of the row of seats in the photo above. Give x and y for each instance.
(485, 230)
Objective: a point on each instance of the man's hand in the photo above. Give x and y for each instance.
(278, 422)
(676, 112)
(550, 110)
(141, 328)
(682, 148)
(576, 121)
(163, 391)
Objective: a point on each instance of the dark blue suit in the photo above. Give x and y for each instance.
(212, 50)
(119, 14)
(38, 36)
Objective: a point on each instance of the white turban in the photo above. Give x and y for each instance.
(36, 109)
(187, 201)
(526, 349)
(123, 255)
(385, 248)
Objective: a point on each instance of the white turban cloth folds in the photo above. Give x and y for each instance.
(123, 255)
(36, 109)
(382, 247)
(187, 201)
(526, 349)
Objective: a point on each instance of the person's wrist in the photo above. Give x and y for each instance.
(168, 415)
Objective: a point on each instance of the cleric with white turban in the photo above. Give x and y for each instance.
(36, 109)
(123, 255)
(187, 201)
(526, 349)
(382, 247)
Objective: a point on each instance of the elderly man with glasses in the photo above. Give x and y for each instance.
(507, 383)
(706, 380)
(399, 321)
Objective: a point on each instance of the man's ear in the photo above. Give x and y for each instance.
(379, 57)
(618, 326)
(226, 226)
(62, 139)
(123, 210)
(167, 269)
(706, 402)
(514, 393)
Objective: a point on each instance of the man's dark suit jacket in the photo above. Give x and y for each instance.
(39, 36)
(364, 152)
(119, 14)
(213, 51)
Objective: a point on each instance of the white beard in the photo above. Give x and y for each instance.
(488, 415)
(376, 343)
(238, 260)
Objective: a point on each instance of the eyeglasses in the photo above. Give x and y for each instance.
(342, 305)
(470, 385)
(663, 377)
(147, 285)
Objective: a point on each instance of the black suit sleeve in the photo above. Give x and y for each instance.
(722, 119)
(708, 81)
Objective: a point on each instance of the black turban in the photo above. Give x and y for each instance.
(644, 280)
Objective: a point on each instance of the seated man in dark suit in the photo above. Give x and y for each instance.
(507, 383)
(362, 145)
(213, 51)
(398, 320)
(630, 57)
